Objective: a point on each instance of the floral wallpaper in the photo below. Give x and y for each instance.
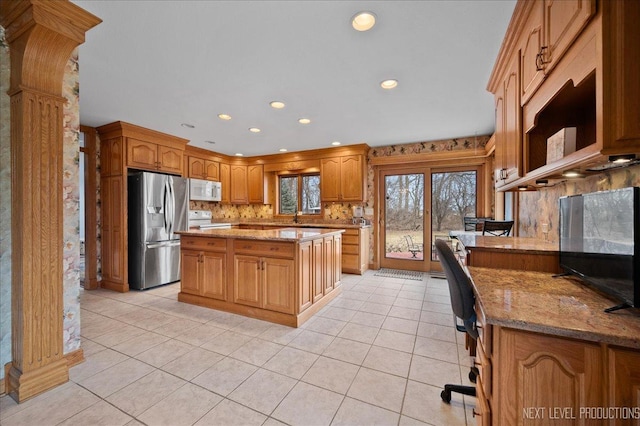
(71, 246)
(5, 206)
(539, 207)
(71, 204)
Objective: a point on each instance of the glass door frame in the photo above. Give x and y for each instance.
(393, 263)
(483, 208)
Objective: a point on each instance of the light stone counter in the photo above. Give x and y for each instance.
(280, 234)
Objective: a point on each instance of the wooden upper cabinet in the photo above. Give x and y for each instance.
(170, 160)
(531, 56)
(256, 184)
(151, 156)
(112, 157)
(225, 183)
(512, 142)
(330, 179)
(212, 170)
(563, 22)
(352, 178)
(343, 178)
(201, 168)
(500, 151)
(622, 94)
(141, 154)
(239, 186)
(196, 168)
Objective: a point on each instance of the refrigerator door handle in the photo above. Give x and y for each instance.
(158, 245)
(165, 209)
(172, 201)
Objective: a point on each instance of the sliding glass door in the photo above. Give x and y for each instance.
(422, 205)
(453, 196)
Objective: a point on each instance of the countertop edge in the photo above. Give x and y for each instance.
(249, 234)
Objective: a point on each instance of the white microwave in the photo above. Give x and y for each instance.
(204, 190)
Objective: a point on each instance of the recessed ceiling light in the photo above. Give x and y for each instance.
(283, 149)
(187, 125)
(363, 21)
(254, 130)
(238, 154)
(389, 84)
(210, 142)
(224, 117)
(304, 121)
(336, 143)
(277, 104)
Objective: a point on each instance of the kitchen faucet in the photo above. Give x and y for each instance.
(295, 217)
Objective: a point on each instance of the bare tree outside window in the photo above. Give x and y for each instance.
(299, 193)
(453, 196)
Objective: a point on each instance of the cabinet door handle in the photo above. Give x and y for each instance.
(476, 414)
(540, 62)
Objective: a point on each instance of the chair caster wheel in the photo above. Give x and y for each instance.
(473, 374)
(446, 396)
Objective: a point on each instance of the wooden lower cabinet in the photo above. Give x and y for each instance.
(547, 379)
(317, 272)
(264, 282)
(355, 251)
(624, 385)
(282, 282)
(114, 234)
(537, 371)
(278, 285)
(204, 273)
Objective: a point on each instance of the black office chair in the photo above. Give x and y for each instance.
(463, 303)
(498, 228)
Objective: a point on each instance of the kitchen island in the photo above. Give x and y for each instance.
(280, 275)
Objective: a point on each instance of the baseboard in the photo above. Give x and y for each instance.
(74, 358)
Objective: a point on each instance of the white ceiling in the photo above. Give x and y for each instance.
(158, 64)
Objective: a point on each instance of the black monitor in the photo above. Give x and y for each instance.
(600, 242)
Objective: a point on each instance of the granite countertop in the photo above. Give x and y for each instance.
(516, 244)
(329, 225)
(535, 301)
(282, 234)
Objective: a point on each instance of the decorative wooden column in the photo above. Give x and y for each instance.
(41, 37)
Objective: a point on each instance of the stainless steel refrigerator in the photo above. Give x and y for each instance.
(158, 207)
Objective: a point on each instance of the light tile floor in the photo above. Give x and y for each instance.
(377, 355)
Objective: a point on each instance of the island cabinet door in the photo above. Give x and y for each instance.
(190, 280)
(247, 289)
(337, 259)
(278, 281)
(329, 275)
(317, 270)
(214, 276)
(306, 276)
